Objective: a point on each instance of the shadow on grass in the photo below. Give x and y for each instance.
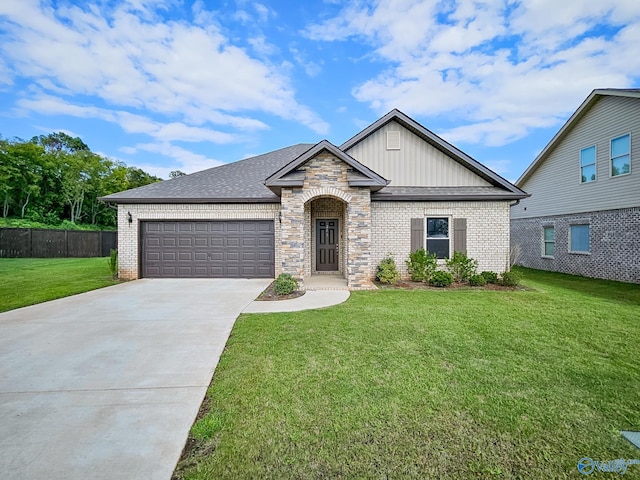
(606, 289)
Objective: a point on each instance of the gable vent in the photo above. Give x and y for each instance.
(393, 140)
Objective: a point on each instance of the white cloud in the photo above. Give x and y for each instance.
(129, 122)
(129, 57)
(500, 68)
(184, 160)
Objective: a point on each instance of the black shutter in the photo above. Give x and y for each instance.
(460, 235)
(417, 234)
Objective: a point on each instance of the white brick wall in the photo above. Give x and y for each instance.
(128, 233)
(487, 230)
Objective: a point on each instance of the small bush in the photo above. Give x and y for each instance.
(387, 271)
(441, 279)
(421, 265)
(477, 281)
(510, 279)
(285, 284)
(461, 266)
(490, 277)
(113, 263)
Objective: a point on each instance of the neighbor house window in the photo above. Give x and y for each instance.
(579, 238)
(549, 240)
(621, 155)
(588, 164)
(438, 236)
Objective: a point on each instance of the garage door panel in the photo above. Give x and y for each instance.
(201, 241)
(219, 249)
(169, 241)
(233, 241)
(185, 242)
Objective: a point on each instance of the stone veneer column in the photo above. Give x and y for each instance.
(358, 224)
(292, 233)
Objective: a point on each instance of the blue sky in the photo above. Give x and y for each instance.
(187, 85)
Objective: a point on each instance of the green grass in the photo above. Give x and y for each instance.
(27, 281)
(428, 384)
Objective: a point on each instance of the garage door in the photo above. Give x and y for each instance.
(220, 249)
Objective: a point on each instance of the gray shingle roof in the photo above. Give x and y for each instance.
(359, 175)
(396, 194)
(241, 181)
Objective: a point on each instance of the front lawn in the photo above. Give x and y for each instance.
(26, 281)
(428, 384)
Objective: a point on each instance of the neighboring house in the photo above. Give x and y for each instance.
(583, 216)
(315, 209)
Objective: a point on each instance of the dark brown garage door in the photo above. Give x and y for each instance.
(220, 249)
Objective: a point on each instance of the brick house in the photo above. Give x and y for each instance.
(316, 209)
(583, 216)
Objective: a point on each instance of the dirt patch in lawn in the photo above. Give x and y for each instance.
(269, 294)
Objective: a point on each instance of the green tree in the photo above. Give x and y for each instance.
(20, 174)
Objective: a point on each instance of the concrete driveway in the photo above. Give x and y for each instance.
(106, 384)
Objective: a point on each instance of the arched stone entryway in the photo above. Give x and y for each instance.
(326, 193)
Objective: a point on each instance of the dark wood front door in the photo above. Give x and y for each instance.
(327, 245)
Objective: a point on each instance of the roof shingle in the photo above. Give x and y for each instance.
(241, 181)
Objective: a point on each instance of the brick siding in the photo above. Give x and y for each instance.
(614, 244)
(129, 233)
(487, 231)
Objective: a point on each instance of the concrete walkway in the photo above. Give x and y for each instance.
(106, 384)
(311, 299)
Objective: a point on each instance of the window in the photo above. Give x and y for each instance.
(588, 164)
(549, 240)
(438, 236)
(621, 155)
(579, 238)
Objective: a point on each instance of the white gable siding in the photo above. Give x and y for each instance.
(555, 186)
(415, 164)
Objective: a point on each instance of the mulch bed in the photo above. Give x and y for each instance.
(269, 294)
(409, 285)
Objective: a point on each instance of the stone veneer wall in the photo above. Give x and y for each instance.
(129, 233)
(614, 244)
(326, 176)
(487, 231)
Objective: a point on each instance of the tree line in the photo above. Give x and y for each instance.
(55, 177)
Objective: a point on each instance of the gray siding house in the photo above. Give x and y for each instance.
(583, 216)
(316, 209)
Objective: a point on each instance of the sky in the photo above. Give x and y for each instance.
(186, 85)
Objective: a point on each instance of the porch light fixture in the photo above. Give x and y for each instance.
(280, 216)
(129, 217)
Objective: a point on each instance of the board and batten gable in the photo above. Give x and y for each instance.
(555, 185)
(415, 163)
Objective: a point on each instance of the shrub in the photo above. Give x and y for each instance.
(285, 284)
(113, 263)
(387, 271)
(477, 280)
(421, 265)
(490, 277)
(441, 279)
(510, 279)
(461, 266)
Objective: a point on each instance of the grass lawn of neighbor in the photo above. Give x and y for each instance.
(464, 383)
(27, 281)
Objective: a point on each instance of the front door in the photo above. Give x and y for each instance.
(327, 245)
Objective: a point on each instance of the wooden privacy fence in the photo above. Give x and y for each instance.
(43, 243)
